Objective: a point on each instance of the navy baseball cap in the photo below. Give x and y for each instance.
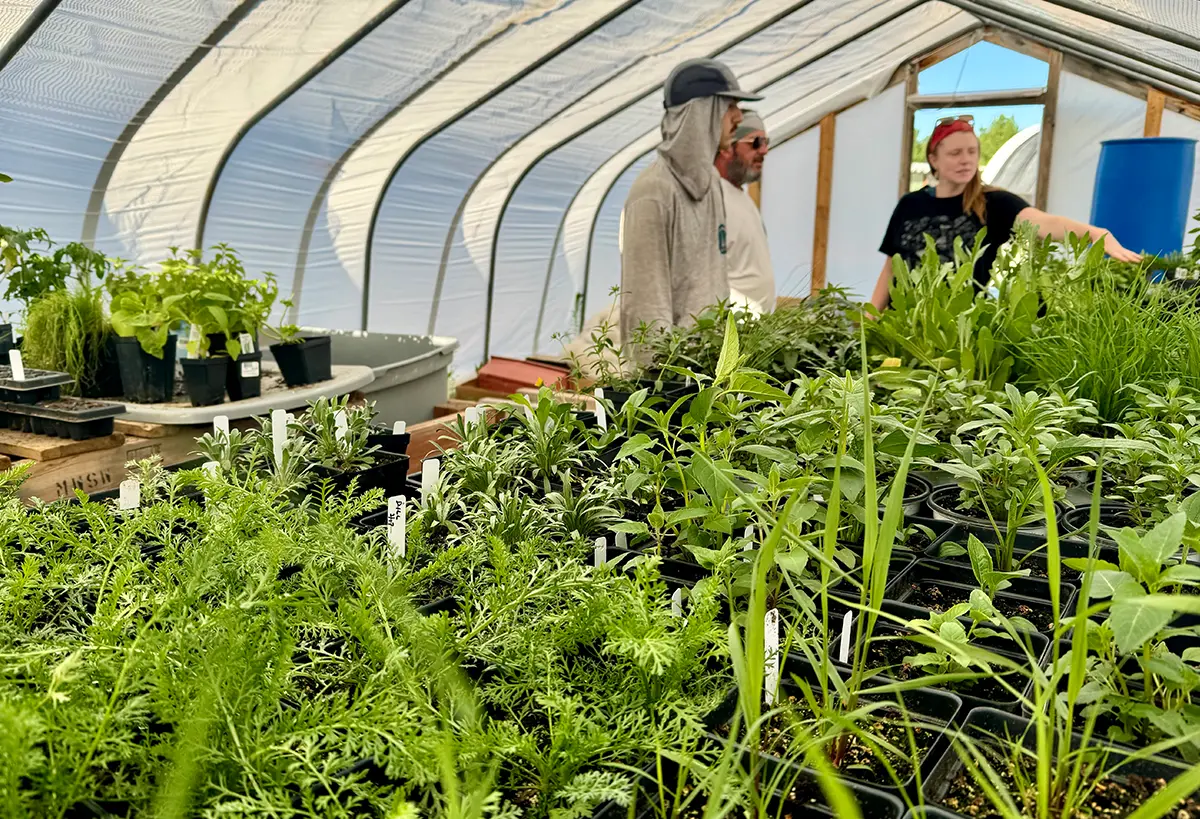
(693, 79)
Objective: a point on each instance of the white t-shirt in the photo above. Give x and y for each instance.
(748, 257)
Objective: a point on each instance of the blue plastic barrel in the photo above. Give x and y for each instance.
(1143, 190)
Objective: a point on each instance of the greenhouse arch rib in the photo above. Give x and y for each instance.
(759, 86)
(1148, 68)
(456, 219)
(346, 44)
(511, 190)
(91, 218)
(26, 30)
(1120, 18)
(335, 169)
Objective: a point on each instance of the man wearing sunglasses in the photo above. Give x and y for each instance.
(751, 279)
(674, 237)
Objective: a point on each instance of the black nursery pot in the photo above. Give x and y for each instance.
(305, 362)
(983, 723)
(204, 379)
(74, 418)
(1112, 515)
(943, 500)
(243, 379)
(106, 380)
(144, 378)
(389, 473)
(38, 385)
(390, 442)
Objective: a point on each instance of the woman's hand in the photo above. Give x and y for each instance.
(1115, 249)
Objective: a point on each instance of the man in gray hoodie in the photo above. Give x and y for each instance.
(673, 252)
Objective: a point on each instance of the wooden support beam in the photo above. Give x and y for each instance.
(1018, 42)
(824, 198)
(1024, 96)
(754, 189)
(1155, 100)
(906, 137)
(1049, 121)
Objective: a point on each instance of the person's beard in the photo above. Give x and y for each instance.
(739, 172)
(751, 176)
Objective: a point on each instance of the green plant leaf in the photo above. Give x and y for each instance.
(727, 363)
(981, 559)
(636, 444)
(631, 527)
(1133, 621)
(1106, 582)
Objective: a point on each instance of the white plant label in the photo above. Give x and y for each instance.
(677, 603)
(601, 417)
(397, 520)
(622, 541)
(251, 369)
(341, 425)
(431, 469)
(600, 556)
(279, 425)
(844, 648)
(17, 365)
(221, 426)
(749, 539)
(471, 417)
(529, 412)
(599, 393)
(399, 428)
(194, 333)
(131, 494)
(247, 342)
(211, 468)
(771, 656)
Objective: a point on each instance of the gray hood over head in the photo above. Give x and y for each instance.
(691, 134)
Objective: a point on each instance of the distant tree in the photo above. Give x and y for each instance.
(992, 138)
(918, 152)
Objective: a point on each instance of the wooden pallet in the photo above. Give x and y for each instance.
(49, 448)
(105, 469)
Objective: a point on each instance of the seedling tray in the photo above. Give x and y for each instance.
(74, 418)
(39, 385)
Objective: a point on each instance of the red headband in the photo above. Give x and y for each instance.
(943, 131)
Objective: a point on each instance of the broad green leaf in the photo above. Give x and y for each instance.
(634, 481)
(1083, 564)
(981, 558)
(1134, 622)
(1105, 583)
(1182, 574)
(631, 527)
(634, 445)
(701, 405)
(793, 562)
(1164, 539)
(687, 513)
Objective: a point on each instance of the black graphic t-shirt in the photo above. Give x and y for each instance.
(921, 212)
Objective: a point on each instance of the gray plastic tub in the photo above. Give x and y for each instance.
(411, 372)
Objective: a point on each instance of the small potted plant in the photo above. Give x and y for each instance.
(143, 317)
(302, 359)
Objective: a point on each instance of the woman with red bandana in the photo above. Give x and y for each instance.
(960, 205)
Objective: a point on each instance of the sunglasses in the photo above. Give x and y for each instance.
(758, 143)
(969, 118)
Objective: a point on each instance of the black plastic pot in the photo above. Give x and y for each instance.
(38, 386)
(389, 442)
(66, 417)
(798, 796)
(982, 723)
(689, 573)
(144, 378)
(243, 379)
(671, 392)
(389, 473)
(1029, 551)
(1111, 515)
(959, 579)
(916, 495)
(930, 812)
(936, 709)
(944, 503)
(1036, 643)
(204, 379)
(105, 382)
(305, 362)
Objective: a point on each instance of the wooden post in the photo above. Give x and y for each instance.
(755, 191)
(1049, 119)
(1155, 100)
(906, 138)
(824, 196)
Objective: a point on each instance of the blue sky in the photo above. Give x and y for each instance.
(982, 67)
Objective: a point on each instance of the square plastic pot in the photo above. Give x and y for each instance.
(204, 379)
(982, 722)
(66, 417)
(389, 473)
(37, 386)
(243, 379)
(305, 362)
(144, 378)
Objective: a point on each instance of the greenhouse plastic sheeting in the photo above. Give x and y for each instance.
(406, 163)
